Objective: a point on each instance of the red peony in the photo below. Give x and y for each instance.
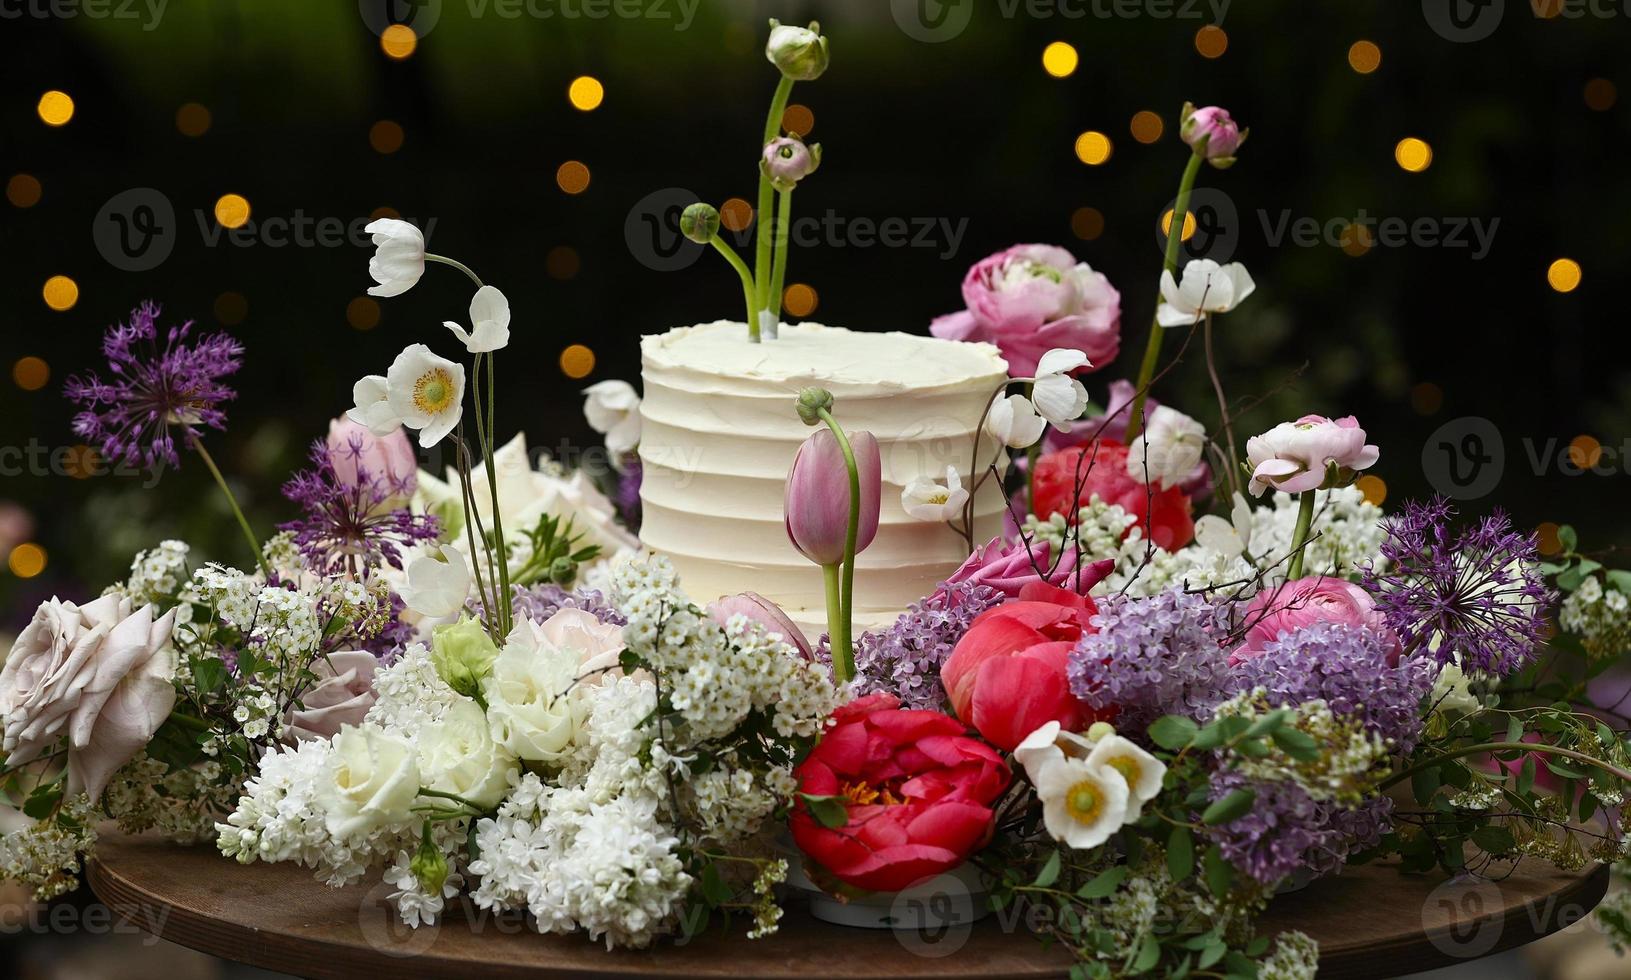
(1006, 676)
(1163, 514)
(917, 787)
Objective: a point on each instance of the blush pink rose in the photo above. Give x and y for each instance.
(342, 696)
(1030, 299)
(1288, 608)
(1297, 456)
(388, 459)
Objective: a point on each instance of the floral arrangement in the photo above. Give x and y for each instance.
(1183, 679)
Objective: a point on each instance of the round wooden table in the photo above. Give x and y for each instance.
(1370, 922)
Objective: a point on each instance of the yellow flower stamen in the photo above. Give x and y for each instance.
(1128, 767)
(865, 794)
(433, 391)
(1084, 802)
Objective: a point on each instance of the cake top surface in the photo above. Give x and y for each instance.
(813, 352)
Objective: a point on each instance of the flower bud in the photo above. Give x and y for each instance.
(800, 52)
(1100, 730)
(429, 864)
(787, 160)
(463, 655)
(562, 571)
(811, 401)
(817, 505)
(1212, 133)
(700, 223)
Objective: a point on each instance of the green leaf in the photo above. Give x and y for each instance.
(43, 801)
(1103, 885)
(1232, 807)
(1219, 875)
(1257, 947)
(1239, 966)
(1049, 873)
(209, 673)
(1180, 853)
(713, 886)
(1620, 579)
(1299, 745)
(1252, 748)
(1514, 729)
(1567, 537)
(828, 811)
(1211, 955)
(1494, 840)
(1526, 776)
(1269, 723)
(1173, 732)
(1425, 785)
(1148, 955)
(1571, 579)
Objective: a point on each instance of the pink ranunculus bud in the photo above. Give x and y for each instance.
(388, 459)
(1009, 566)
(788, 160)
(1291, 606)
(764, 612)
(817, 508)
(1211, 132)
(1312, 453)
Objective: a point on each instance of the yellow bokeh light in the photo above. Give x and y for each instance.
(384, 211)
(82, 463)
(1211, 41)
(1147, 126)
(1585, 451)
(232, 210)
(193, 119)
(1188, 231)
(1087, 223)
(386, 136)
(563, 262)
(1364, 57)
(1356, 240)
(23, 190)
(31, 373)
(231, 308)
(1426, 398)
(56, 108)
(61, 293)
(577, 361)
(1093, 148)
(398, 41)
(798, 120)
(1373, 487)
(1564, 275)
(736, 214)
(1060, 59)
(1414, 155)
(1550, 541)
(800, 299)
(1600, 95)
(572, 177)
(586, 93)
(27, 560)
(362, 313)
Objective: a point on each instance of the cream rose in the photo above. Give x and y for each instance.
(534, 693)
(373, 781)
(342, 696)
(458, 756)
(101, 673)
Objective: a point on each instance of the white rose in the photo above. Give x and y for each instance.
(101, 673)
(373, 781)
(533, 707)
(342, 695)
(458, 756)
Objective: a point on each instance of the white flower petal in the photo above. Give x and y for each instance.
(1168, 315)
(437, 587)
(1061, 360)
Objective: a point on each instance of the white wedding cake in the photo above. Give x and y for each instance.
(720, 429)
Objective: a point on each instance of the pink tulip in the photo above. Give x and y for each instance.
(353, 450)
(817, 511)
(1211, 132)
(760, 610)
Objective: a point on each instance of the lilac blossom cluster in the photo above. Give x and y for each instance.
(1287, 831)
(905, 659)
(1152, 657)
(539, 602)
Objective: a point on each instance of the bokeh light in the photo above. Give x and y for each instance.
(1356, 240)
(586, 93)
(1564, 275)
(577, 361)
(398, 41)
(1087, 223)
(1093, 148)
(82, 463)
(1413, 154)
(1364, 57)
(562, 263)
(27, 560)
(231, 308)
(383, 211)
(386, 136)
(1600, 94)
(31, 373)
(1211, 41)
(56, 108)
(1550, 540)
(1373, 487)
(1585, 451)
(798, 120)
(1147, 126)
(232, 210)
(1060, 59)
(61, 293)
(23, 190)
(736, 214)
(362, 313)
(572, 177)
(1426, 398)
(193, 119)
(1188, 230)
(800, 299)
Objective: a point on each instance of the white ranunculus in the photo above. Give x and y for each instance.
(490, 319)
(1014, 422)
(457, 755)
(101, 674)
(1141, 771)
(1082, 805)
(426, 392)
(1229, 538)
(1206, 288)
(399, 256)
(612, 409)
(534, 708)
(372, 781)
(927, 500)
(437, 584)
(1056, 394)
(1168, 450)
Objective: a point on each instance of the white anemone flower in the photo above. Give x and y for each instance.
(1047, 744)
(1014, 422)
(1058, 396)
(437, 585)
(490, 317)
(612, 408)
(373, 398)
(426, 392)
(399, 256)
(927, 500)
(1207, 288)
(1168, 450)
(1229, 538)
(1141, 771)
(1082, 805)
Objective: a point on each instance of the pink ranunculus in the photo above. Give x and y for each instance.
(1030, 299)
(816, 510)
(1287, 608)
(764, 612)
(1297, 456)
(1212, 132)
(1010, 566)
(388, 459)
(342, 696)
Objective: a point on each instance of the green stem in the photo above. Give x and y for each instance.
(506, 613)
(835, 614)
(484, 443)
(843, 649)
(1231, 468)
(1299, 537)
(455, 263)
(778, 274)
(232, 501)
(1487, 747)
(761, 264)
(439, 795)
(748, 289)
(1152, 351)
(468, 499)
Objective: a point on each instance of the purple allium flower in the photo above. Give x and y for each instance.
(1345, 666)
(350, 527)
(1473, 596)
(1286, 831)
(905, 659)
(1152, 657)
(153, 389)
(628, 492)
(539, 602)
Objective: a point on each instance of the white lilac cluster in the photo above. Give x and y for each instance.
(1600, 616)
(282, 622)
(1338, 773)
(158, 574)
(45, 856)
(1296, 956)
(182, 804)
